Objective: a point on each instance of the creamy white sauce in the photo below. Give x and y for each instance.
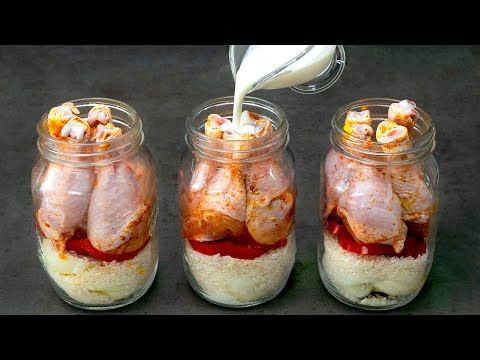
(260, 60)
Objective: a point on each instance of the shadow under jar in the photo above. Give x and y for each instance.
(237, 204)
(95, 208)
(378, 207)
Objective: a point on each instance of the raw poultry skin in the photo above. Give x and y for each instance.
(202, 173)
(371, 210)
(408, 180)
(338, 170)
(409, 184)
(65, 193)
(120, 208)
(270, 202)
(216, 202)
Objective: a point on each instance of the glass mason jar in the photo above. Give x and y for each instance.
(237, 204)
(95, 208)
(369, 191)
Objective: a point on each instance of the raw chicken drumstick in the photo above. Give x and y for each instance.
(409, 184)
(215, 199)
(363, 196)
(217, 209)
(65, 195)
(338, 170)
(371, 210)
(408, 180)
(121, 198)
(270, 202)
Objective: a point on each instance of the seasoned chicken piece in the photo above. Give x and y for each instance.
(240, 136)
(59, 116)
(408, 180)
(65, 195)
(357, 126)
(270, 202)
(267, 213)
(356, 118)
(204, 169)
(254, 124)
(99, 114)
(409, 184)
(105, 132)
(225, 193)
(338, 170)
(218, 210)
(393, 137)
(145, 178)
(253, 127)
(371, 210)
(403, 113)
(390, 132)
(243, 143)
(216, 125)
(120, 208)
(362, 131)
(76, 130)
(214, 204)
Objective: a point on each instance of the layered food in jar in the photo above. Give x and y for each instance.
(237, 200)
(378, 204)
(94, 194)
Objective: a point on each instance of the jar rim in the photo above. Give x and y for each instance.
(422, 144)
(58, 150)
(216, 149)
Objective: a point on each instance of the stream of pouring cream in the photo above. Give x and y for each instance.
(260, 60)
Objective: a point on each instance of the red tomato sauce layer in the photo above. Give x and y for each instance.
(239, 248)
(414, 244)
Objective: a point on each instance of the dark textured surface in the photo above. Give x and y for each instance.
(164, 83)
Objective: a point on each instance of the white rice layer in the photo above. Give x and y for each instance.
(237, 282)
(93, 282)
(356, 276)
